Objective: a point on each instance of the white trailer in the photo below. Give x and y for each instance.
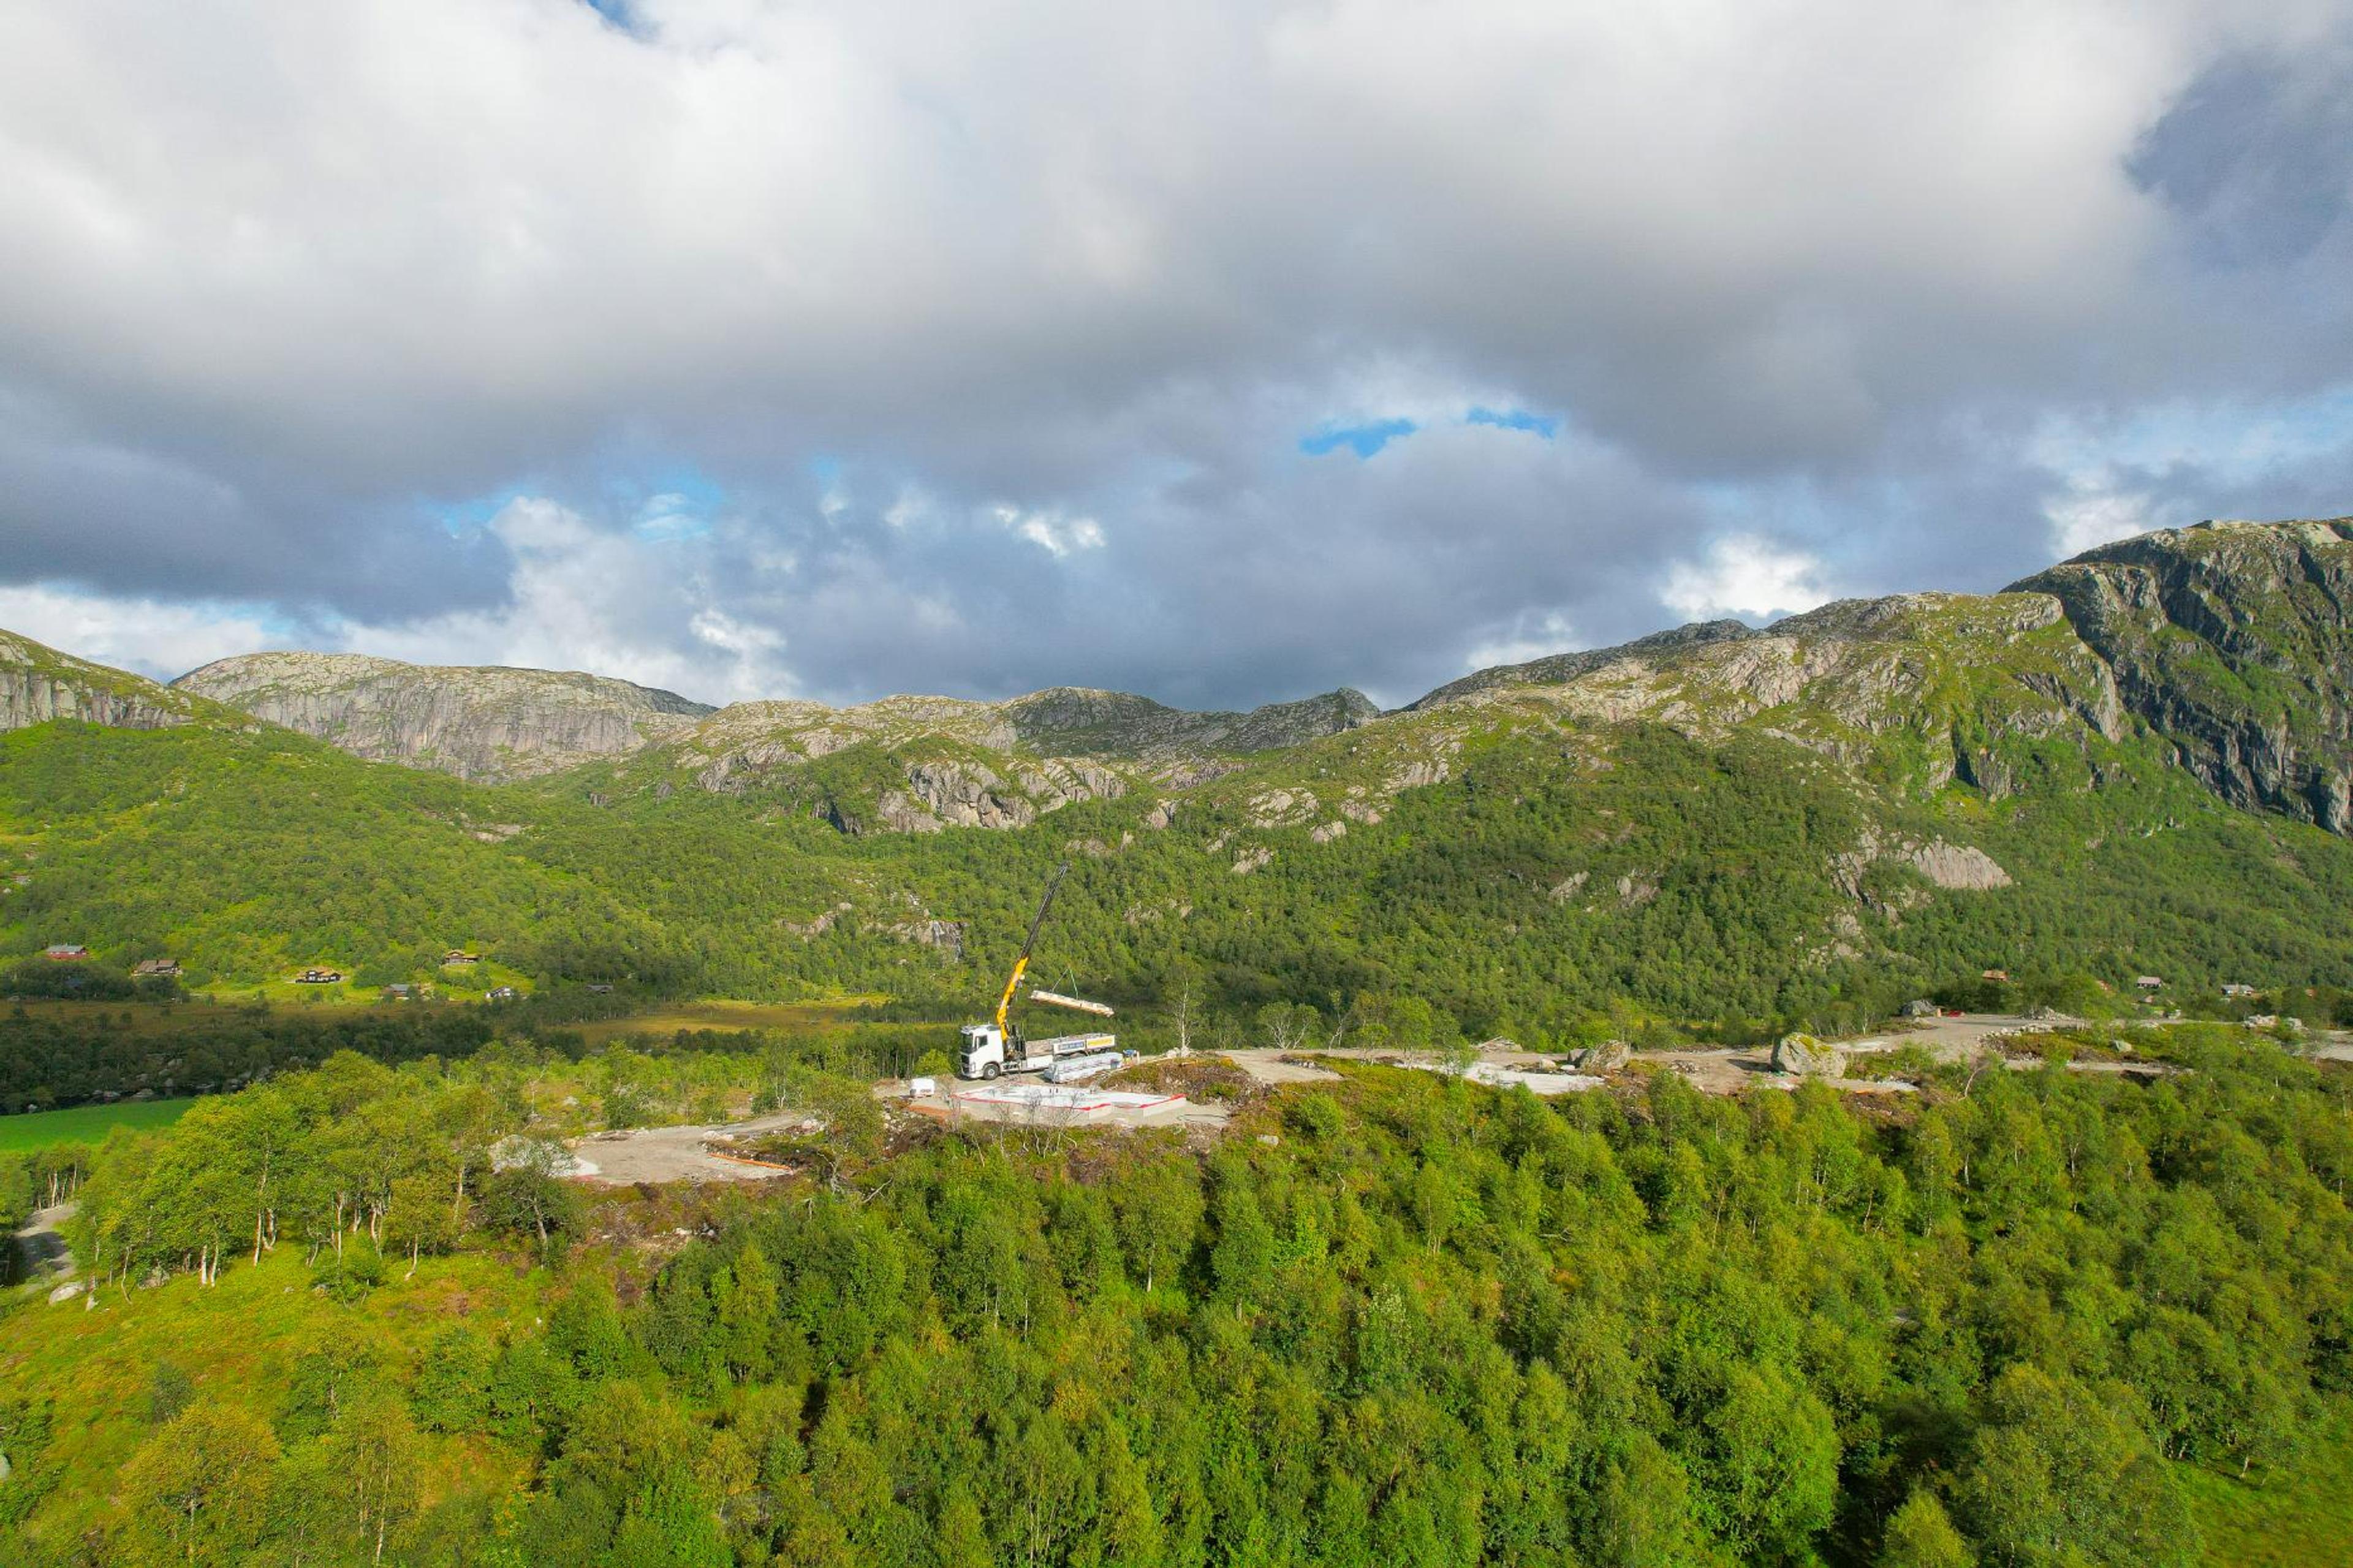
(984, 1051)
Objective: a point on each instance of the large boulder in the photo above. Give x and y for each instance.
(1610, 1055)
(1807, 1056)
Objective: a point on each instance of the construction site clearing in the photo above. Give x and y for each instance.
(1154, 1096)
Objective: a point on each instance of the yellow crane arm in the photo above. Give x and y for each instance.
(1005, 1001)
(1021, 964)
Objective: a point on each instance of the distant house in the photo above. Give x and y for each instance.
(320, 977)
(1995, 975)
(156, 969)
(455, 956)
(65, 952)
(503, 993)
(399, 993)
(2149, 981)
(2233, 988)
(600, 990)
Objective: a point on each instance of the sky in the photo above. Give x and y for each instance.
(1223, 352)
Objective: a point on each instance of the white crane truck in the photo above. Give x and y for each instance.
(987, 1051)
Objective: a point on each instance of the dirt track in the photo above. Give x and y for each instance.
(1724, 1070)
(675, 1154)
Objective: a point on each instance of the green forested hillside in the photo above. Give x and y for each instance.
(1563, 866)
(1736, 831)
(2023, 1321)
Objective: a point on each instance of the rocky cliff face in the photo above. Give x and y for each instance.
(38, 684)
(2234, 641)
(488, 724)
(939, 761)
(1079, 722)
(1926, 687)
(1561, 667)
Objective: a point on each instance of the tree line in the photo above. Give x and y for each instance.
(1397, 1320)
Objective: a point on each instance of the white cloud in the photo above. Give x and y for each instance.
(1748, 577)
(158, 640)
(2091, 513)
(279, 282)
(1050, 532)
(604, 602)
(1529, 638)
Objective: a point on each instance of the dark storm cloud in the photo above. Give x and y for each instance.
(986, 343)
(2257, 155)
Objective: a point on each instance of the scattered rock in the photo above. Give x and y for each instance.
(945, 936)
(1323, 832)
(1250, 861)
(1282, 808)
(1566, 888)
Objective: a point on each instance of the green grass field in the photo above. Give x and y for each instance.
(2297, 1516)
(21, 1135)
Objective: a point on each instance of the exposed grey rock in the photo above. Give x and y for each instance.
(1804, 1054)
(945, 936)
(38, 684)
(477, 723)
(2267, 606)
(1957, 866)
(1565, 666)
(1281, 807)
(1083, 723)
(1610, 1055)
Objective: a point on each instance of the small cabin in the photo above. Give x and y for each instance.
(65, 952)
(600, 989)
(1994, 974)
(2149, 981)
(455, 955)
(156, 969)
(503, 993)
(320, 977)
(400, 992)
(2233, 988)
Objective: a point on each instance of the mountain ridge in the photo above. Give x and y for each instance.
(2228, 640)
(1882, 794)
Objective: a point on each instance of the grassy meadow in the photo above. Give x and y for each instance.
(24, 1133)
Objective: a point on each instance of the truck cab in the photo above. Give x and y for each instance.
(980, 1051)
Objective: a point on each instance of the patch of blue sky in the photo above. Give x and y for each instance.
(1545, 424)
(472, 514)
(1365, 440)
(2231, 440)
(671, 516)
(676, 501)
(620, 13)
